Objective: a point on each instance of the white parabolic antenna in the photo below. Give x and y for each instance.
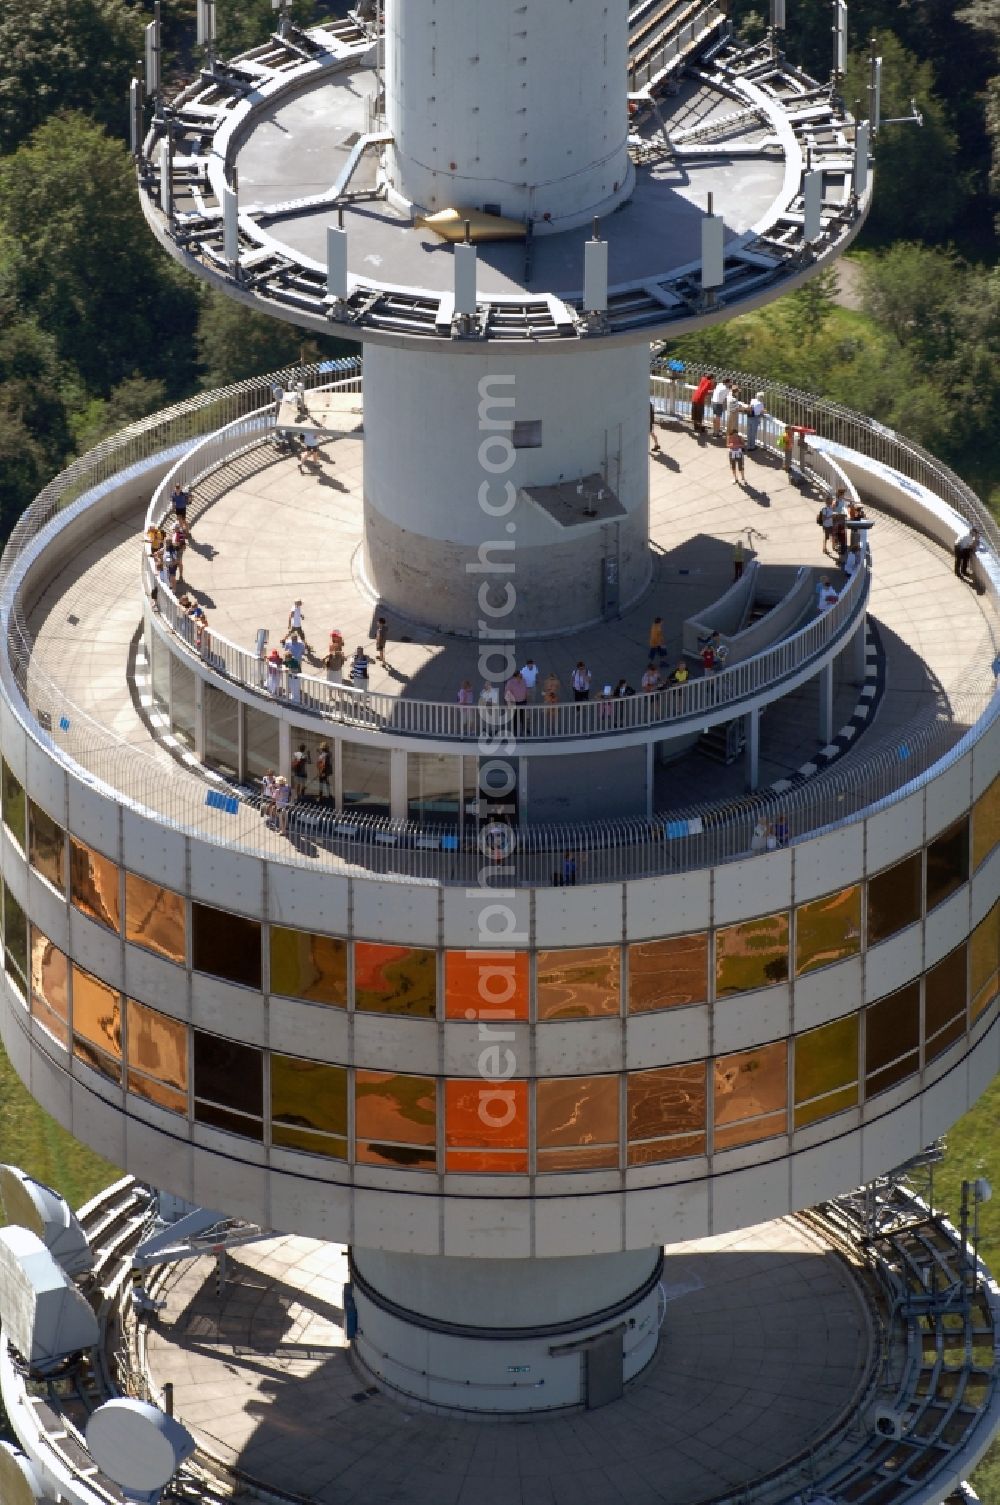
(19, 1484)
(137, 1445)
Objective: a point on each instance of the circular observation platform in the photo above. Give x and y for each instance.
(837, 1354)
(706, 1028)
(299, 128)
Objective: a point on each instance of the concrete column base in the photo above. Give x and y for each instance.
(504, 1337)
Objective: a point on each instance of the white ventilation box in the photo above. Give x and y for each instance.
(42, 1313)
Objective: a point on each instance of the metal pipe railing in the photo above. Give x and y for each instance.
(879, 772)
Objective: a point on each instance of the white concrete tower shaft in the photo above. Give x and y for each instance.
(520, 105)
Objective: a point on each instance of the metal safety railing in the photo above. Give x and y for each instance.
(675, 840)
(670, 707)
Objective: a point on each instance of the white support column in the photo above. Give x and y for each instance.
(812, 198)
(285, 748)
(397, 783)
(826, 704)
(200, 730)
(650, 777)
(753, 748)
(859, 650)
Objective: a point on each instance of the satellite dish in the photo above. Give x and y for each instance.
(19, 1483)
(31, 1204)
(137, 1446)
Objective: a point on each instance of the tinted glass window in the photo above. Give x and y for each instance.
(580, 983)
(894, 899)
(15, 937)
(984, 949)
(226, 945)
(395, 1119)
(49, 986)
(751, 1095)
(154, 918)
(665, 974)
(14, 808)
(496, 983)
(826, 1070)
(827, 930)
(892, 1038)
(308, 966)
(308, 1095)
(94, 885)
(395, 979)
(228, 1073)
(751, 955)
(986, 823)
(947, 862)
(47, 846)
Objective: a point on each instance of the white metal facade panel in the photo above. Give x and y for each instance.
(94, 947)
(94, 819)
(757, 886)
(826, 994)
(303, 900)
(670, 1216)
(45, 782)
(826, 1170)
(894, 962)
(488, 1229)
(829, 863)
(311, 1030)
(381, 1044)
(591, 1223)
(223, 1008)
(668, 1036)
(948, 796)
(889, 1140)
(581, 916)
(578, 1047)
(227, 879)
(894, 832)
(676, 904)
(477, 917)
(404, 916)
(946, 927)
(154, 851)
(749, 1019)
(740, 1200)
(463, 1045)
(163, 985)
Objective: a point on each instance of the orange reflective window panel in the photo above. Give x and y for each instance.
(487, 984)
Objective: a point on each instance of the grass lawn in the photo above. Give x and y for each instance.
(34, 1141)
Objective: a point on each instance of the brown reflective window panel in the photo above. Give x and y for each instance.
(892, 1027)
(228, 1073)
(400, 1157)
(395, 980)
(331, 1146)
(309, 966)
(945, 991)
(826, 1107)
(947, 862)
(576, 1111)
(154, 918)
(15, 939)
(486, 1115)
(486, 1162)
(395, 1107)
(599, 1157)
(732, 1136)
(581, 983)
(654, 1151)
(50, 986)
(14, 807)
(93, 885)
(226, 945)
(751, 1084)
(891, 1076)
(666, 974)
(157, 1045)
(97, 1012)
(49, 974)
(894, 898)
(97, 1060)
(308, 1095)
(157, 1092)
(984, 961)
(751, 955)
(826, 1058)
(827, 930)
(232, 1123)
(494, 983)
(669, 1100)
(46, 846)
(986, 823)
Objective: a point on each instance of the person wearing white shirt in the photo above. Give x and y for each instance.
(720, 397)
(529, 673)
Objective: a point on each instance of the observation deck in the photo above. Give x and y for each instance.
(299, 126)
(685, 946)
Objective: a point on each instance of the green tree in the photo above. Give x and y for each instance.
(24, 467)
(100, 416)
(64, 55)
(243, 24)
(918, 191)
(235, 341)
(80, 256)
